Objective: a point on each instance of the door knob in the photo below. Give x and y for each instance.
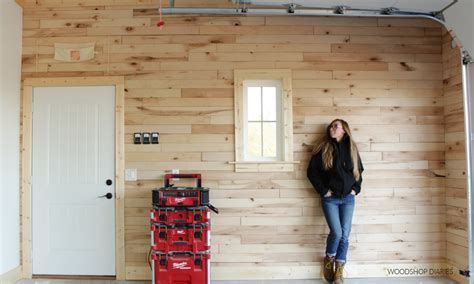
(108, 195)
(108, 182)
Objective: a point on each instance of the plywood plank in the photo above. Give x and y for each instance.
(396, 81)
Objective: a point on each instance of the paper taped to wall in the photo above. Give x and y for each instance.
(73, 52)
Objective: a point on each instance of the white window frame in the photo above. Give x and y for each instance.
(284, 161)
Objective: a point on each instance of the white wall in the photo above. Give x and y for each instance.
(10, 74)
(460, 19)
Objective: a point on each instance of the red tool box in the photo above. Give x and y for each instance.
(181, 268)
(170, 195)
(181, 196)
(177, 215)
(181, 233)
(181, 237)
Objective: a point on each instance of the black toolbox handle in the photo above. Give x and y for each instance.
(195, 176)
(172, 253)
(213, 208)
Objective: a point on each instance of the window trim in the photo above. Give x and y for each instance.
(286, 162)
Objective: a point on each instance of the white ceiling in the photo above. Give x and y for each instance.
(404, 5)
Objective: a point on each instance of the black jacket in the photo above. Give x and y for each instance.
(339, 179)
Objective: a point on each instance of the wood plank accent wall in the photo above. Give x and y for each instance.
(384, 76)
(456, 186)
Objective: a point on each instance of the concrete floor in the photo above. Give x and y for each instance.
(413, 280)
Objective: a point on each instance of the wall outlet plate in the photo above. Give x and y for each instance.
(131, 174)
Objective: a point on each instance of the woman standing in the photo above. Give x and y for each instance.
(335, 171)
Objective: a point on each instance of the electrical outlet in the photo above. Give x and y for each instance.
(130, 174)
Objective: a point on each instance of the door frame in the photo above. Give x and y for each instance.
(26, 163)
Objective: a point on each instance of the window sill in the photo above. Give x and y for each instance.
(264, 166)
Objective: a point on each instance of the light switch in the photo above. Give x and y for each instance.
(130, 174)
(155, 138)
(137, 138)
(146, 137)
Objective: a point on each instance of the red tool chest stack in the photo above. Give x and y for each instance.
(181, 233)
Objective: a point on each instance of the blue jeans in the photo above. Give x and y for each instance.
(338, 212)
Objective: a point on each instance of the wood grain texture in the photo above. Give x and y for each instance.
(456, 184)
(393, 80)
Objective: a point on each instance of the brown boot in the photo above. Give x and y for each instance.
(328, 268)
(338, 277)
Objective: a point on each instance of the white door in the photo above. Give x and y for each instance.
(73, 158)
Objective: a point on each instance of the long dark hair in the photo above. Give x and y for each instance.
(326, 147)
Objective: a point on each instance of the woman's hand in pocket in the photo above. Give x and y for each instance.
(328, 194)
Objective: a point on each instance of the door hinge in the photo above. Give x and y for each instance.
(464, 273)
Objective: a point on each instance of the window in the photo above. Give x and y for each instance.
(263, 120)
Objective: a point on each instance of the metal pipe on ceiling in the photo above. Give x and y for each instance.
(294, 10)
(298, 10)
(306, 12)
